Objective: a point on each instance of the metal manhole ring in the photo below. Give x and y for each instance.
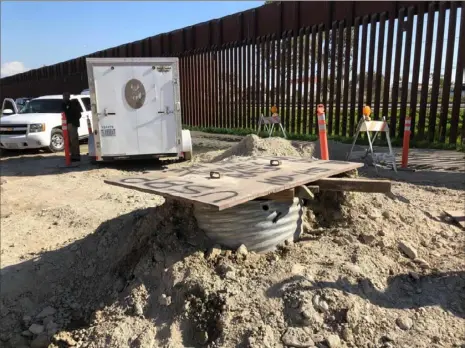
(134, 93)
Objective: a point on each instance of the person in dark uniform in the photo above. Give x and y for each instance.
(73, 114)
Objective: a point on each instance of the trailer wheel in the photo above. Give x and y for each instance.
(57, 141)
(186, 144)
(187, 156)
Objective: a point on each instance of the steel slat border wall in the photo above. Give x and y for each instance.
(243, 64)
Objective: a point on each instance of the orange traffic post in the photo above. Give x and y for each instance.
(406, 142)
(320, 112)
(64, 128)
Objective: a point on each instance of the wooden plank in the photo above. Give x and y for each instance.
(240, 181)
(281, 196)
(313, 188)
(457, 216)
(305, 192)
(355, 185)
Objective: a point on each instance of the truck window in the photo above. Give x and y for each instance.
(9, 105)
(86, 102)
(53, 106)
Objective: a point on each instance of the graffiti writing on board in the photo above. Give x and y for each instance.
(182, 187)
(194, 182)
(254, 169)
(280, 180)
(236, 170)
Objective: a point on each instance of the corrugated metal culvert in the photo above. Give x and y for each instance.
(259, 224)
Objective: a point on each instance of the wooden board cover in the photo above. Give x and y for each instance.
(240, 181)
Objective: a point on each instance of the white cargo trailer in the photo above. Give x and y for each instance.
(136, 109)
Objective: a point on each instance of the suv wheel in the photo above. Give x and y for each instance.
(57, 141)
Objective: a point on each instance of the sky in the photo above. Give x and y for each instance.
(66, 30)
(37, 33)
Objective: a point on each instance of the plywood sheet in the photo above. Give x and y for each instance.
(240, 181)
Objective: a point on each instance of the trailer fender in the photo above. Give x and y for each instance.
(186, 144)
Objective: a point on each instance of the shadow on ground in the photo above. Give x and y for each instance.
(38, 164)
(102, 269)
(446, 290)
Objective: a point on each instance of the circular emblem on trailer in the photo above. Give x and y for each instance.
(134, 93)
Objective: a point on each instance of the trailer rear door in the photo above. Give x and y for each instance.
(134, 104)
(156, 121)
(116, 123)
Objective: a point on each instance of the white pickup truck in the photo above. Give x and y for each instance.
(38, 124)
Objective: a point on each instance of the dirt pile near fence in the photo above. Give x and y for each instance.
(379, 275)
(91, 273)
(373, 270)
(252, 145)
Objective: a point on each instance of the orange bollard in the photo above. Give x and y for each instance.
(406, 142)
(320, 112)
(64, 128)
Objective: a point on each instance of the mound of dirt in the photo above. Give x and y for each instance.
(371, 270)
(252, 145)
(86, 275)
(348, 284)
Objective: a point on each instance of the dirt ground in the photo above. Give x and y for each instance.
(85, 264)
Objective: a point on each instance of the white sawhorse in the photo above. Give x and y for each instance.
(269, 124)
(374, 126)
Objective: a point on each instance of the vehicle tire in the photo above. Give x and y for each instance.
(57, 141)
